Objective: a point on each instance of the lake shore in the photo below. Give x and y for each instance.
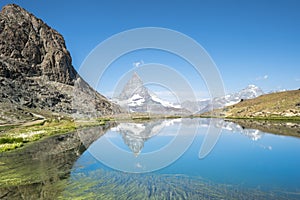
(19, 135)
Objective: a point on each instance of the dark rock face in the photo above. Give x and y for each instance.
(36, 69)
(32, 48)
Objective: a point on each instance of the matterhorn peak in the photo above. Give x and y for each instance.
(134, 86)
(135, 97)
(135, 79)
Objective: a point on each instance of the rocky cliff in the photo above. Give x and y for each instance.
(36, 71)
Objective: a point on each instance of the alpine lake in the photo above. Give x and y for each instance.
(195, 158)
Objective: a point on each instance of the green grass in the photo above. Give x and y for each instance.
(10, 146)
(10, 140)
(16, 136)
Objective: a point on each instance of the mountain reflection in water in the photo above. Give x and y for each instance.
(135, 134)
(245, 164)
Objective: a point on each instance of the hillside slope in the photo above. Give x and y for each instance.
(275, 105)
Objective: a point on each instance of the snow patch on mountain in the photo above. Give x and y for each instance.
(163, 102)
(135, 97)
(250, 92)
(135, 100)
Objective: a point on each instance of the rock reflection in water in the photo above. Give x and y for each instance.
(35, 172)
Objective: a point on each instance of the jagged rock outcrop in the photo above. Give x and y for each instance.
(36, 70)
(29, 47)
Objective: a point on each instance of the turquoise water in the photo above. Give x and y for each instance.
(244, 163)
(160, 159)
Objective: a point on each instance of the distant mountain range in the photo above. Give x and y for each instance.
(135, 97)
(249, 92)
(206, 105)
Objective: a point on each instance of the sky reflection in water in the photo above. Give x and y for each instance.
(242, 157)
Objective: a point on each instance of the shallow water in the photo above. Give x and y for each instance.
(157, 160)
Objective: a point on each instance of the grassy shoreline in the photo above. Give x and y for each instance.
(19, 135)
(16, 136)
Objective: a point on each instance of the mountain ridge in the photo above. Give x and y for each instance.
(206, 105)
(36, 72)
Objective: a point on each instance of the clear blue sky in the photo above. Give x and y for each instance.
(251, 42)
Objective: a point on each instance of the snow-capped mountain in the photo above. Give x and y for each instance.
(134, 86)
(135, 97)
(249, 92)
